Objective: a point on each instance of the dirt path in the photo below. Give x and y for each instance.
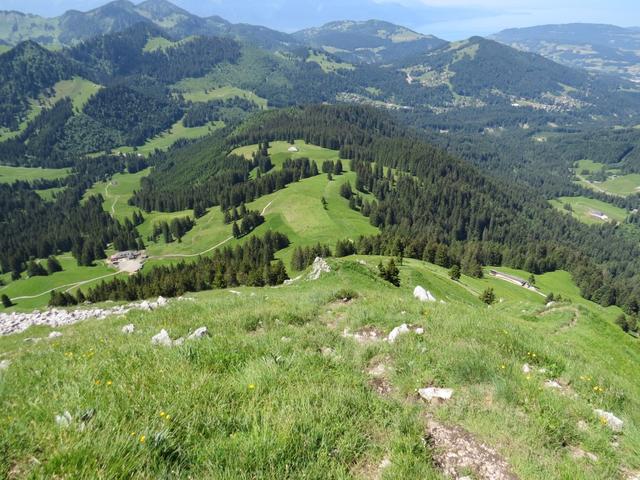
(457, 452)
(191, 255)
(571, 324)
(69, 286)
(264, 210)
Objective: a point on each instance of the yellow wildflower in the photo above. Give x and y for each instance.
(162, 414)
(142, 438)
(251, 386)
(109, 382)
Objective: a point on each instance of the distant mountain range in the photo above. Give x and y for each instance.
(352, 41)
(597, 48)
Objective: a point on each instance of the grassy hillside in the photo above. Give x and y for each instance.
(296, 211)
(277, 391)
(177, 131)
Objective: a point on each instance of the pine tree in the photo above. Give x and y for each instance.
(488, 296)
(6, 301)
(53, 265)
(236, 230)
(337, 170)
(454, 273)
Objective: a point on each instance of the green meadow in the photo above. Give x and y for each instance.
(177, 131)
(11, 174)
(616, 184)
(583, 209)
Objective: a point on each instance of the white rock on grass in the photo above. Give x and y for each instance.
(613, 422)
(396, 332)
(402, 329)
(319, 267)
(129, 329)
(436, 394)
(423, 295)
(552, 384)
(161, 301)
(64, 420)
(55, 335)
(526, 368)
(199, 333)
(4, 364)
(162, 338)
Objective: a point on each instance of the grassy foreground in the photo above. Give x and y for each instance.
(278, 392)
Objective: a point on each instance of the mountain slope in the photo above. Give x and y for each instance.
(310, 401)
(370, 41)
(480, 72)
(598, 48)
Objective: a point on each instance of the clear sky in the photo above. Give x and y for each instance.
(449, 19)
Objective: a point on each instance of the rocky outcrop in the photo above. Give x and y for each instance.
(319, 267)
(18, 322)
(423, 295)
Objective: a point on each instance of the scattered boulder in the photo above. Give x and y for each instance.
(526, 368)
(402, 329)
(55, 335)
(423, 295)
(161, 301)
(396, 332)
(199, 333)
(608, 418)
(178, 342)
(162, 338)
(129, 329)
(319, 267)
(436, 395)
(64, 420)
(4, 364)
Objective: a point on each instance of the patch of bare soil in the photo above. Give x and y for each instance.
(365, 335)
(457, 453)
(378, 371)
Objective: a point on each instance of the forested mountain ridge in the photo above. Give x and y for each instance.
(483, 73)
(598, 48)
(444, 201)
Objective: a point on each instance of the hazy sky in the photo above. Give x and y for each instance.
(450, 19)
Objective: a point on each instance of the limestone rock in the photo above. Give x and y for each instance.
(199, 333)
(64, 420)
(129, 329)
(613, 422)
(423, 295)
(436, 394)
(162, 338)
(55, 335)
(4, 364)
(401, 330)
(319, 267)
